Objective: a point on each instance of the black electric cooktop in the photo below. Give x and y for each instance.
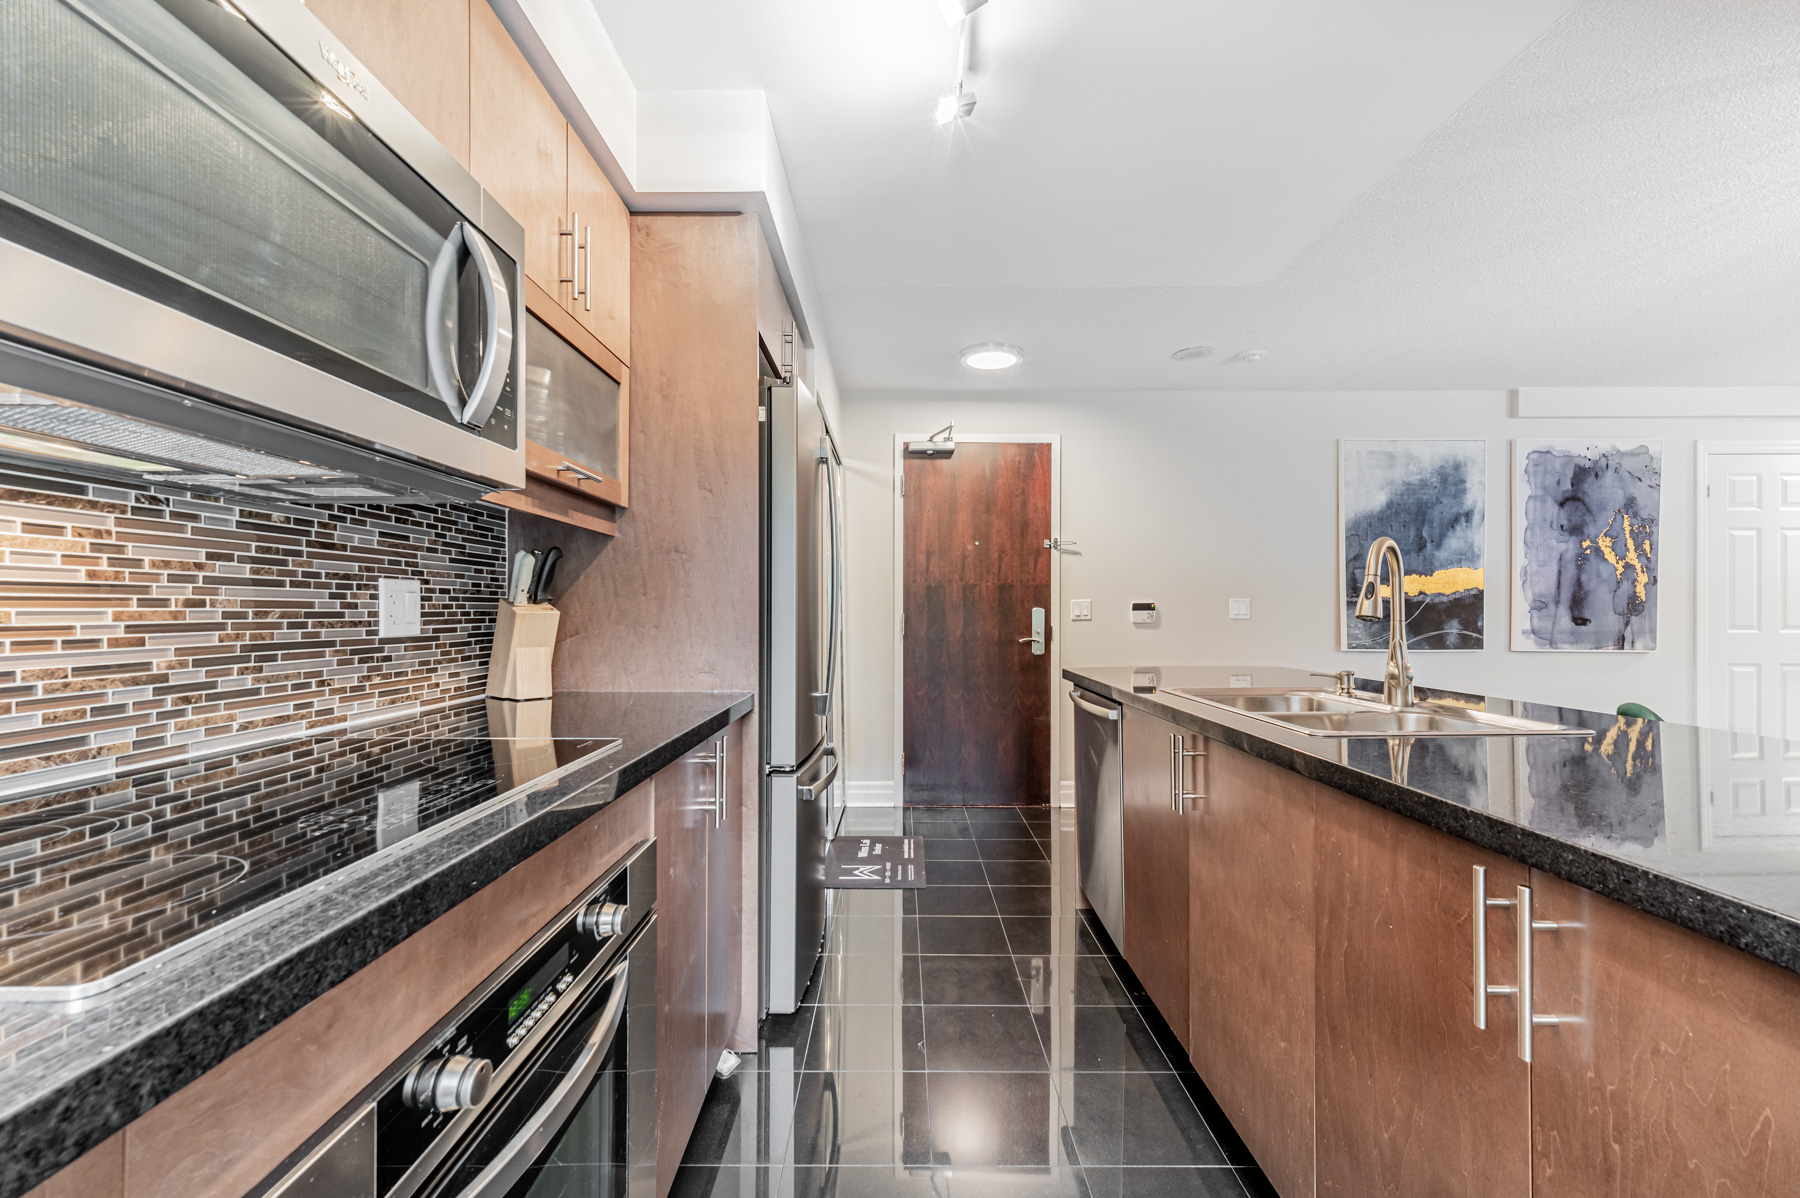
(99, 877)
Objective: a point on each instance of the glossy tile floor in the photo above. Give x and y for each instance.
(976, 1037)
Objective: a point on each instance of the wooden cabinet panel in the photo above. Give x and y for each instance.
(1156, 868)
(683, 837)
(519, 145)
(1411, 1099)
(1679, 1078)
(603, 233)
(1250, 980)
(419, 49)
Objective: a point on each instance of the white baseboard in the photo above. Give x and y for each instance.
(878, 792)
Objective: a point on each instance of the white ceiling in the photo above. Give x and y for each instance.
(1379, 193)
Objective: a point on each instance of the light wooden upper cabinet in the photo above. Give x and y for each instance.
(419, 49)
(601, 295)
(519, 147)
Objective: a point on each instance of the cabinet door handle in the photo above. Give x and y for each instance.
(574, 254)
(1179, 794)
(587, 268)
(572, 468)
(719, 758)
(1529, 1019)
(1483, 991)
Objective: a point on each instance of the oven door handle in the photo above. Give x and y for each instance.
(532, 1139)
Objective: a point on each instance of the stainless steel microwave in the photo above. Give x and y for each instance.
(231, 260)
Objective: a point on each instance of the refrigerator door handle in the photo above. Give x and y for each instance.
(813, 780)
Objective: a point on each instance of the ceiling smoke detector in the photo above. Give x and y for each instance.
(992, 355)
(1250, 355)
(1192, 353)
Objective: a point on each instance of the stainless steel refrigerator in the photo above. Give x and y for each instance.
(802, 722)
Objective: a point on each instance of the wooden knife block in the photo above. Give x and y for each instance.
(524, 642)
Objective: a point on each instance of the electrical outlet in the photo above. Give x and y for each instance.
(400, 607)
(1240, 609)
(1081, 609)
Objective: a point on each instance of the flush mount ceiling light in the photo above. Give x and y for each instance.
(1192, 353)
(1250, 355)
(992, 355)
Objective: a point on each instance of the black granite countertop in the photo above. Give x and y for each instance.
(73, 1073)
(1695, 826)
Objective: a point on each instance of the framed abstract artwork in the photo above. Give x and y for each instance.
(1431, 498)
(1586, 533)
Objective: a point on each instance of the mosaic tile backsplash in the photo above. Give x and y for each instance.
(138, 623)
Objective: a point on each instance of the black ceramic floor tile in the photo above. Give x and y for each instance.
(868, 902)
(1011, 850)
(858, 1119)
(996, 815)
(1040, 934)
(1113, 1038)
(864, 1040)
(1070, 981)
(805, 1181)
(953, 900)
(961, 934)
(998, 1182)
(948, 849)
(955, 873)
(862, 980)
(987, 1119)
(1228, 1140)
(726, 1131)
(981, 1038)
(1024, 900)
(1255, 1184)
(869, 935)
(1112, 1182)
(971, 981)
(1135, 1119)
(1017, 873)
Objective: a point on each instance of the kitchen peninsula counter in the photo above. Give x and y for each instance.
(1658, 816)
(372, 873)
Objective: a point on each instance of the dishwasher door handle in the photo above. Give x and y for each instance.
(1092, 708)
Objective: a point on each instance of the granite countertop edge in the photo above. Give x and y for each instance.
(1769, 935)
(50, 1129)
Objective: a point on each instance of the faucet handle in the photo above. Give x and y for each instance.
(1346, 680)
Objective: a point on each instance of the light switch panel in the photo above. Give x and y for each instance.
(400, 607)
(1240, 609)
(1081, 609)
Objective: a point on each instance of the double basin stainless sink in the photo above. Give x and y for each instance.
(1326, 713)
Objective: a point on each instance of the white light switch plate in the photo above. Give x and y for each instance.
(400, 607)
(1240, 609)
(1081, 609)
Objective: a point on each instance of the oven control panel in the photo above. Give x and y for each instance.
(440, 1088)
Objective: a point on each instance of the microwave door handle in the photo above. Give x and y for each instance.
(497, 342)
(504, 1171)
(440, 356)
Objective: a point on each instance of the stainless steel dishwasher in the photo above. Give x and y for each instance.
(1099, 809)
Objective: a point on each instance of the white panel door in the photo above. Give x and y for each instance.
(1750, 672)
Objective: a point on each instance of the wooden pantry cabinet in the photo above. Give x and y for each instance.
(1328, 1002)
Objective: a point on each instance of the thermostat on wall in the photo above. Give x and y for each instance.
(1143, 613)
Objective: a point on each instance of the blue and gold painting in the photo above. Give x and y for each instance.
(1431, 498)
(1585, 539)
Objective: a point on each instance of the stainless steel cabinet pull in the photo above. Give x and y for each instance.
(719, 780)
(1179, 795)
(1483, 991)
(1528, 1017)
(574, 254)
(572, 468)
(587, 267)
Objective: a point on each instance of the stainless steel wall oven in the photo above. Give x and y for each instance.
(540, 1084)
(233, 261)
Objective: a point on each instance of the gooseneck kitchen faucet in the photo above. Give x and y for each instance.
(1397, 683)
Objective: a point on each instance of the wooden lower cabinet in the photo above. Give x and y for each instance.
(1156, 866)
(1250, 987)
(1411, 1098)
(1682, 1076)
(699, 903)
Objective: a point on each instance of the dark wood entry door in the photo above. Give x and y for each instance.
(977, 699)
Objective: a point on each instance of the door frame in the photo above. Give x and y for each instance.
(1702, 451)
(1054, 441)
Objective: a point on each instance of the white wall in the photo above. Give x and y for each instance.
(1193, 498)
